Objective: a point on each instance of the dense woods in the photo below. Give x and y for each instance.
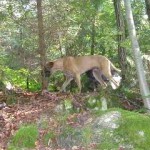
(33, 32)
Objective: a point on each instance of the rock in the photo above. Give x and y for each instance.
(105, 124)
(108, 120)
(92, 132)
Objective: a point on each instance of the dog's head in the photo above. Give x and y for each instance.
(47, 71)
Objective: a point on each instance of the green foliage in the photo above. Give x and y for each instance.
(25, 137)
(143, 39)
(2, 86)
(74, 21)
(17, 77)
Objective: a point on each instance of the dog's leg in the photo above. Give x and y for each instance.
(109, 76)
(65, 84)
(107, 72)
(78, 80)
(98, 76)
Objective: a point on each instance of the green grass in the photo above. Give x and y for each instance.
(25, 137)
(48, 136)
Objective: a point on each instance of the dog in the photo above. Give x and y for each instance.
(74, 67)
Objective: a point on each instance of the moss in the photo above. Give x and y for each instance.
(25, 137)
(134, 128)
(133, 132)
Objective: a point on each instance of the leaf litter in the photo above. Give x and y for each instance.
(31, 108)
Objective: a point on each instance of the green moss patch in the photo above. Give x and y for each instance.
(25, 137)
(134, 129)
(133, 132)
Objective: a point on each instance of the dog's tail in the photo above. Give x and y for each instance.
(114, 68)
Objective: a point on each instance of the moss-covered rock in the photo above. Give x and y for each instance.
(111, 129)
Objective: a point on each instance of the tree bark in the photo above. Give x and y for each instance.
(147, 3)
(121, 37)
(42, 47)
(60, 43)
(144, 89)
(93, 37)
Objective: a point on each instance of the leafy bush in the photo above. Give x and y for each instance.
(19, 78)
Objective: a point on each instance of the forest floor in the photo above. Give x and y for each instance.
(30, 108)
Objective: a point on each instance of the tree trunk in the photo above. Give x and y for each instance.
(147, 3)
(60, 43)
(121, 37)
(93, 37)
(27, 83)
(42, 47)
(144, 89)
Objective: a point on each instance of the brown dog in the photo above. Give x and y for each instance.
(73, 67)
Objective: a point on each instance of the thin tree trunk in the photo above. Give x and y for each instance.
(93, 37)
(42, 47)
(27, 82)
(147, 3)
(60, 43)
(121, 37)
(144, 89)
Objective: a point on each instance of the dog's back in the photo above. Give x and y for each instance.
(85, 63)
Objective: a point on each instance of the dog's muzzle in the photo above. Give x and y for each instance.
(46, 73)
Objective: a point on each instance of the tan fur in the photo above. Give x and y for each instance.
(73, 67)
